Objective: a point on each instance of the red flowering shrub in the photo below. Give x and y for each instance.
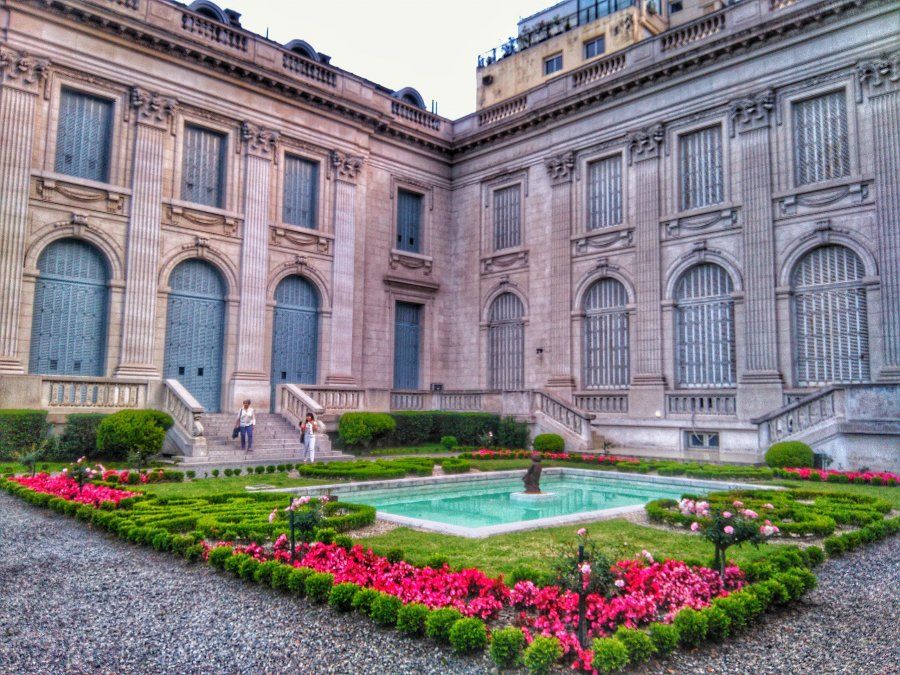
(884, 477)
(67, 488)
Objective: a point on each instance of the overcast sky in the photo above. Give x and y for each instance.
(431, 46)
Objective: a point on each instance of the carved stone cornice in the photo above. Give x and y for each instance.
(23, 71)
(645, 143)
(561, 167)
(152, 108)
(346, 167)
(878, 75)
(259, 140)
(751, 112)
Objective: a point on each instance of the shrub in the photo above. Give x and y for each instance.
(227, 472)
(411, 428)
(549, 443)
(436, 561)
(449, 442)
(280, 576)
(259, 470)
(468, 635)
(364, 429)
(263, 573)
(507, 645)
(456, 465)
(411, 619)
(296, 582)
(20, 429)
(135, 435)
(394, 555)
(734, 609)
(341, 596)
(215, 473)
(691, 626)
(789, 453)
(270, 468)
(718, 623)
(325, 535)
(639, 645)
(191, 474)
(815, 556)
(439, 622)
(610, 655)
(318, 586)
(248, 569)
(79, 437)
(344, 541)
(384, 608)
(219, 555)
(541, 654)
(362, 601)
(511, 433)
(525, 573)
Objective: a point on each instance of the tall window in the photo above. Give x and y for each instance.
(507, 218)
(594, 47)
(407, 328)
(821, 139)
(704, 328)
(409, 221)
(702, 180)
(604, 193)
(830, 317)
(552, 64)
(84, 136)
(605, 355)
(301, 179)
(506, 343)
(203, 175)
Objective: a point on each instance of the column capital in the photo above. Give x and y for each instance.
(152, 108)
(645, 143)
(259, 140)
(877, 75)
(346, 167)
(23, 71)
(560, 167)
(751, 112)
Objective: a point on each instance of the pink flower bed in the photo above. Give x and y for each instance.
(886, 477)
(67, 488)
(484, 453)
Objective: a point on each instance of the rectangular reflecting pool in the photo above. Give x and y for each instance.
(478, 505)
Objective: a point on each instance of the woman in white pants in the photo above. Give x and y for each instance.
(308, 430)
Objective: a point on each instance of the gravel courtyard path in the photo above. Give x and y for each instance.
(76, 600)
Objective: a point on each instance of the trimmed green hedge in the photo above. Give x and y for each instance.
(364, 429)
(20, 429)
(789, 454)
(79, 437)
(132, 431)
(549, 443)
(411, 428)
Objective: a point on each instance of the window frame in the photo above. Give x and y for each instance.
(592, 41)
(589, 162)
(420, 239)
(805, 97)
(224, 166)
(317, 202)
(493, 247)
(552, 59)
(679, 183)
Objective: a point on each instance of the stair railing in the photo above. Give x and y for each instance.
(293, 404)
(799, 416)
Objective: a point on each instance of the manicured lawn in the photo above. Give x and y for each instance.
(211, 486)
(888, 494)
(427, 449)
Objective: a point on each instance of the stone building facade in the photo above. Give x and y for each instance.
(663, 246)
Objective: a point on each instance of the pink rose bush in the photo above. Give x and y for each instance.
(65, 487)
(870, 477)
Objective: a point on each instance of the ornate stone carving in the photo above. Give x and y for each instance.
(751, 112)
(151, 107)
(811, 201)
(411, 262)
(23, 70)
(504, 261)
(603, 241)
(200, 245)
(719, 219)
(876, 73)
(560, 167)
(179, 216)
(303, 240)
(259, 140)
(645, 143)
(346, 167)
(74, 194)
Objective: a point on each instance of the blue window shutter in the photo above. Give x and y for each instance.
(84, 135)
(407, 330)
(295, 334)
(203, 172)
(301, 184)
(409, 221)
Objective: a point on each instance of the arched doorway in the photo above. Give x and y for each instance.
(195, 331)
(69, 324)
(605, 351)
(506, 343)
(295, 333)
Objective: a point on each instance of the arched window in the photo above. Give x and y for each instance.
(69, 325)
(704, 328)
(506, 343)
(605, 355)
(830, 318)
(295, 333)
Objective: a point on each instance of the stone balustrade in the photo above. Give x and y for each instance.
(417, 116)
(602, 403)
(308, 70)
(293, 403)
(502, 111)
(184, 408)
(213, 31)
(598, 70)
(92, 393)
(701, 404)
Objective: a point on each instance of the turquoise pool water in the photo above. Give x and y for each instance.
(483, 503)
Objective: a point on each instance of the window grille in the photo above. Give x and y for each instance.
(605, 355)
(506, 343)
(704, 328)
(702, 180)
(830, 318)
(507, 217)
(203, 176)
(84, 136)
(821, 139)
(409, 221)
(301, 179)
(604, 193)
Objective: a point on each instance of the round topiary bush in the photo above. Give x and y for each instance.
(449, 442)
(135, 435)
(363, 429)
(439, 622)
(610, 655)
(468, 636)
(541, 654)
(384, 609)
(692, 627)
(318, 586)
(506, 647)
(411, 619)
(789, 454)
(640, 646)
(341, 596)
(549, 443)
(363, 599)
(664, 637)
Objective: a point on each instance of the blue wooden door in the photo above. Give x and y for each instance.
(68, 328)
(295, 333)
(195, 329)
(407, 328)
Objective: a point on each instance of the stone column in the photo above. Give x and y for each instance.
(761, 392)
(561, 169)
(153, 114)
(22, 78)
(345, 170)
(879, 80)
(647, 380)
(250, 379)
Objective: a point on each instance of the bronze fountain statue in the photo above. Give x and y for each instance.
(532, 477)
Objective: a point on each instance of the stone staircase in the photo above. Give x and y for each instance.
(274, 440)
